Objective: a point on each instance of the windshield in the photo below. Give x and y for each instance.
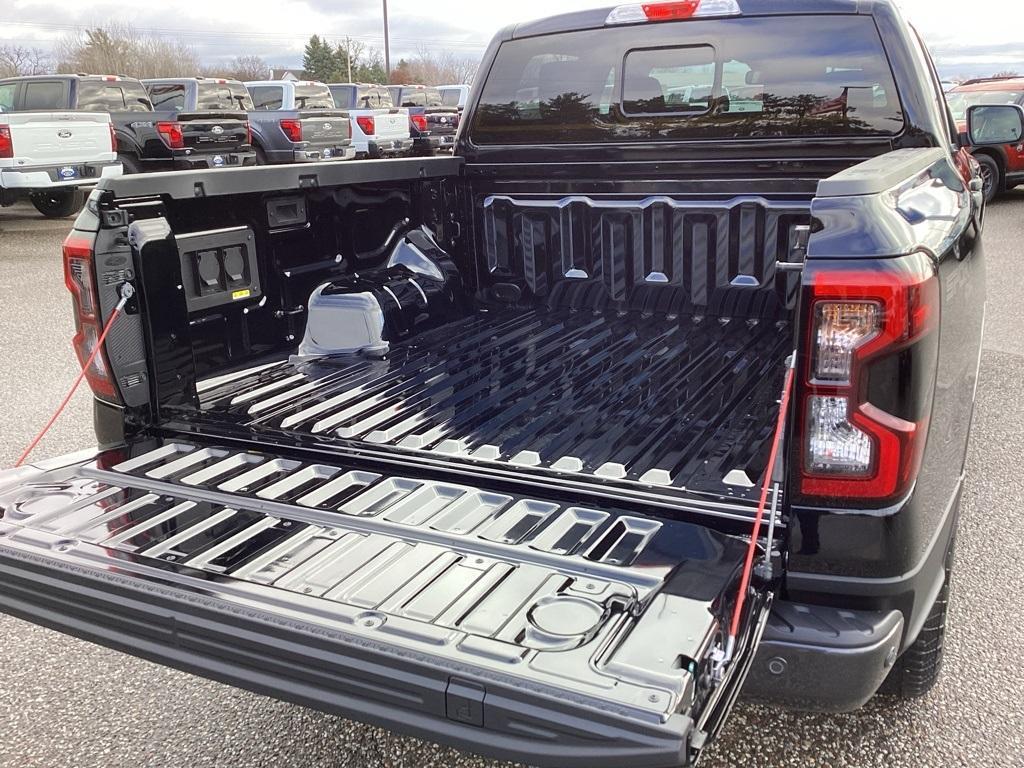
(752, 77)
(113, 96)
(223, 96)
(960, 101)
(313, 97)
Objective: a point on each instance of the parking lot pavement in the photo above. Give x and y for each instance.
(66, 702)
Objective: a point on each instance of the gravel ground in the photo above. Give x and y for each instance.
(68, 703)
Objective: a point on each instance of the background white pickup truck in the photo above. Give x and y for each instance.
(49, 156)
(379, 128)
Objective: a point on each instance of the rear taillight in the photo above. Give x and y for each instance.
(419, 122)
(113, 138)
(675, 10)
(171, 134)
(248, 133)
(292, 129)
(6, 142)
(78, 277)
(867, 378)
(366, 124)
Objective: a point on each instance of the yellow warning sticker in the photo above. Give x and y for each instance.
(245, 293)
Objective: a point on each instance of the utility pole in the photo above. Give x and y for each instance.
(348, 56)
(387, 47)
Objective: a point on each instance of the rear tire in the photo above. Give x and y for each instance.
(129, 164)
(58, 203)
(915, 672)
(991, 176)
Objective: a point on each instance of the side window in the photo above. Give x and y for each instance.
(450, 97)
(7, 91)
(44, 94)
(267, 97)
(167, 96)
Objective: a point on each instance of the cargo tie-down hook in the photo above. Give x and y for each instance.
(126, 292)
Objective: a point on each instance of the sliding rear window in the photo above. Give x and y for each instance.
(783, 76)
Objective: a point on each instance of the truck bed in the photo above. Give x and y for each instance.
(674, 404)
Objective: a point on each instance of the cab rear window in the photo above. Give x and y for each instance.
(313, 97)
(223, 96)
(751, 77)
(113, 96)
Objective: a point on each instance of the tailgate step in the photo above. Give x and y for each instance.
(593, 611)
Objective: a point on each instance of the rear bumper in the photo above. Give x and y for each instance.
(192, 161)
(316, 154)
(388, 147)
(49, 177)
(821, 658)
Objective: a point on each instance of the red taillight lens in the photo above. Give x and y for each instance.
(419, 122)
(851, 446)
(78, 277)
(292, 129)
(113, 138)
(366, 124)
(171, 134)
(6, 142)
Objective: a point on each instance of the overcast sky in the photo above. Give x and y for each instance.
(976, 37)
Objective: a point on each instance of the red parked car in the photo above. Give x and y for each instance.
(1002, 166)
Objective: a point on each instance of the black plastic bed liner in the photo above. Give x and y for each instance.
(684, 403)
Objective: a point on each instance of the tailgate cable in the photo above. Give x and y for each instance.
(722, 658)
(126, 292)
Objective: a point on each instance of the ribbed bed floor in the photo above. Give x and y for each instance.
(676, 403)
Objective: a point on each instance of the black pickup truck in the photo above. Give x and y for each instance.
(480, 448)
(148, 139)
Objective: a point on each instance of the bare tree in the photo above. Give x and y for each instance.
(119, 49)
(242, 68)
(435, 68)
(16, 60)
(1007, 73)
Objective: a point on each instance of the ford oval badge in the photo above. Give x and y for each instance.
(64, 133)
(217, 130)
(327, 126)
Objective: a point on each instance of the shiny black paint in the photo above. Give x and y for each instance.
(894, 554)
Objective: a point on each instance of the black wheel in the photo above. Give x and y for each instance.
(129, 164)
(58, 203)
(991, 176)
(917, 670)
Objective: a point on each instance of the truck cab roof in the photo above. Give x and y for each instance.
(593, 18)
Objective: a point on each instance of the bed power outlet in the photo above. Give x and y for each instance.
(219, 267)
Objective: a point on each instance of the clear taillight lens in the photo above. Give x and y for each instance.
(834, 445)
(842, 327)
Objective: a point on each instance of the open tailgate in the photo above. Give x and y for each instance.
(523, 628)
